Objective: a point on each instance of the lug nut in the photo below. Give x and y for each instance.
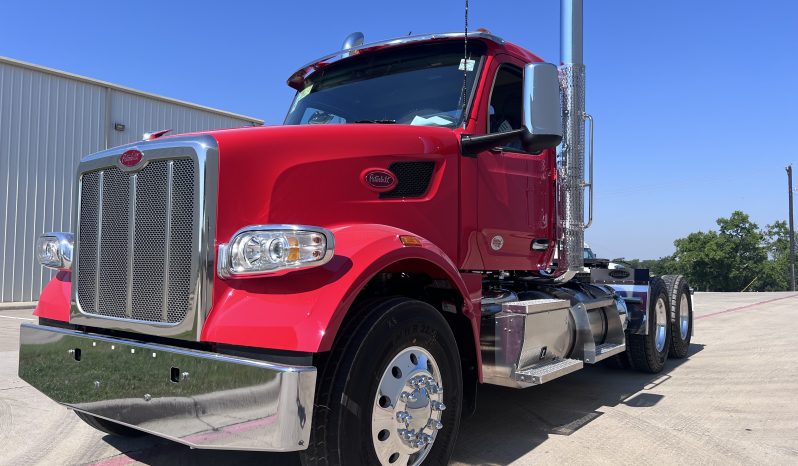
(438, 406)
(437, 425)
(403, 416)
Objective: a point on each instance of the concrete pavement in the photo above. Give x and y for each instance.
(733, 401)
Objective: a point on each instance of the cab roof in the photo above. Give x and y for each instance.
(298, 78)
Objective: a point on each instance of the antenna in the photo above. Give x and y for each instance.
(465, 65)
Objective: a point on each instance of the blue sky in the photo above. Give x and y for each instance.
(695, 101)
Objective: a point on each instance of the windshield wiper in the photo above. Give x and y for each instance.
(381, 122)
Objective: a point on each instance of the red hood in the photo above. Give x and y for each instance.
(311, 174)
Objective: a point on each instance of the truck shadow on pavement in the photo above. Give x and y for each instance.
(507, 424)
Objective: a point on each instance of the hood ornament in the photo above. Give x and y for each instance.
(149, 136)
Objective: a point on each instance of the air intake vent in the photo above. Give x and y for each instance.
(412, 179)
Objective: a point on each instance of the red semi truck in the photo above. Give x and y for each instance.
(341, 285)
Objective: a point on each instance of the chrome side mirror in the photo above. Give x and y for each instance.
(542, 112)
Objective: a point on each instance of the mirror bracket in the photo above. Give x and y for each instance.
(532, 143)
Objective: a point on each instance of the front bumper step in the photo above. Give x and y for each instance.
(198, 398)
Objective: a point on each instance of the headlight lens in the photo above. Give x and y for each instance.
(265, 249)
(54, 250)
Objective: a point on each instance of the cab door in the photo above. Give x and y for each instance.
(515, 188)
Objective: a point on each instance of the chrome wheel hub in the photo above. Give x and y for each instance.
(662, 322)
(408, 407)
(684, 317)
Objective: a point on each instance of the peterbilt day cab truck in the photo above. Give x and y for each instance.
(341, 285)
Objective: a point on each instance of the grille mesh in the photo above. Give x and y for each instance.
(145, 226)
(412, 179)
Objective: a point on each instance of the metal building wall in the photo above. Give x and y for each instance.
(140, 114)
(48, 121)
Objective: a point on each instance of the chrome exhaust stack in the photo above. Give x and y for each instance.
(571, 159)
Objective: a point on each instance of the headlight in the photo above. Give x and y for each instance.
(264, 249)
(54, 250)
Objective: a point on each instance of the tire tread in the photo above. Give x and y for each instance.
(676, 285)
(642, 349)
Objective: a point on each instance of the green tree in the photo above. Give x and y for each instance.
(776, 271)
(735, 257)
(726, 260)
(663, 266)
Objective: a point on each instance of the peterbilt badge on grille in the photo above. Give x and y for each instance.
(378, 179)
(131, 158)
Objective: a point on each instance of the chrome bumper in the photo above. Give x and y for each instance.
(201, 399)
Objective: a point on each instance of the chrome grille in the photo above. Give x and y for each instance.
(135, 242)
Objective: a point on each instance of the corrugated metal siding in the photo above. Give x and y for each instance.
(140, 115)
(47, 123)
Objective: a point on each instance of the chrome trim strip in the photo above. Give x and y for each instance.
(302, 72)
(168, 236)
(203, 149)
(99, 241)
(131, 241)
(198, 398)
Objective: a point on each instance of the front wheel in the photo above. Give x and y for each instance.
(390, 391)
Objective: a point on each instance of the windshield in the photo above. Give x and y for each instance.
(415, 85)
(587, 253)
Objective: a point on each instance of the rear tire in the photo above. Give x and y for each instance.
(648, 353)
(681, 315)
(357, 406)
(109, 427)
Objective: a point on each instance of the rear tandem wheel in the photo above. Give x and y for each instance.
(681, 315)
(648, 353)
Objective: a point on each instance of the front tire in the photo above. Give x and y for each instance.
(390, 391)
(648, 353)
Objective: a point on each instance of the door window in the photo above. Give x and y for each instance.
(506, 104)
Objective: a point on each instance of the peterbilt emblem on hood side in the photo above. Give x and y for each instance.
(619, 273)
(131, 158)
(378, 179)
